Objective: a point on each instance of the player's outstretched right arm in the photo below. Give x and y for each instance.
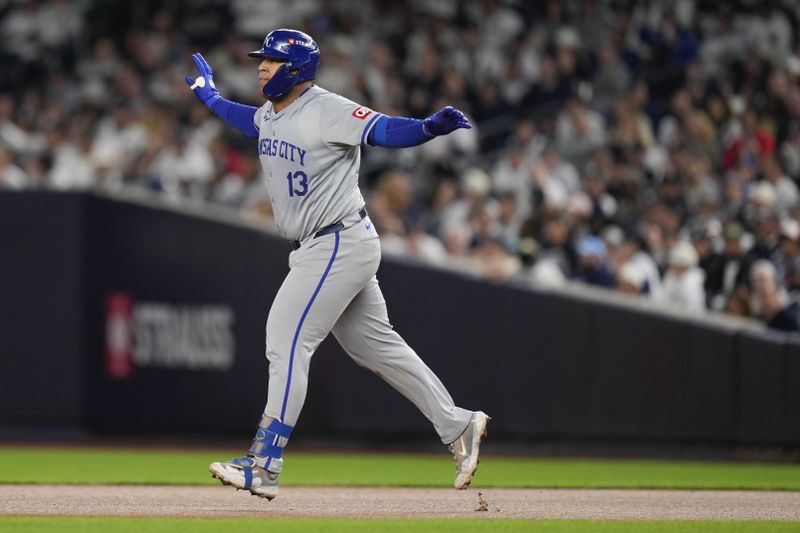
(236, 115)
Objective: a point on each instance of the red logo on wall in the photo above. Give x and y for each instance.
(119, 335)
(362, 112)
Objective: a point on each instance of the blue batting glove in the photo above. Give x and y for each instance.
(444, 121)
(203, 86)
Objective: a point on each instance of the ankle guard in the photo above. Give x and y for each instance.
(267, 446)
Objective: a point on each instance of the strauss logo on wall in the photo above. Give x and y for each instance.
(166, 335)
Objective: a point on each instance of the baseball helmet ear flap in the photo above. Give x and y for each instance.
(280, 82)
(300, 55)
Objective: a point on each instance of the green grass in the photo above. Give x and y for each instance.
(121, 466)
(171, 525)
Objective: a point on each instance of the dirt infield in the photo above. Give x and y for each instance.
(351, 502)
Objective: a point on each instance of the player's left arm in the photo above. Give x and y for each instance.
(402, 132)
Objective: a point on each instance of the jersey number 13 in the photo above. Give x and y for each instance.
(298, 183)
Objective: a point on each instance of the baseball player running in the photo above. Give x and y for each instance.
(309, 144)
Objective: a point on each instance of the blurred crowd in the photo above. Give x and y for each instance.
(649, 147)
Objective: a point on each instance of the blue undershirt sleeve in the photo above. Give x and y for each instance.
(398, 132)
(239, 116)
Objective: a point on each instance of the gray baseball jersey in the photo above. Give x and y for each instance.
(310, 154)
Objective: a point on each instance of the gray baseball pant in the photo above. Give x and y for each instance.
(331, 286)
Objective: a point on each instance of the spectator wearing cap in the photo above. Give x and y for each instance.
(630, 279)
(683, 280)
(592, 263)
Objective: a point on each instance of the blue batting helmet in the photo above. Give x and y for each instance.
(301, 56)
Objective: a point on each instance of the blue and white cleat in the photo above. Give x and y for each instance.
(466, 448)
(243, 473)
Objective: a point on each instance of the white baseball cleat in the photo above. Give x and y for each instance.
(243, 473)
(466, 448)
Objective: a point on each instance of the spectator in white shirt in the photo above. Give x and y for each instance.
(683, 281)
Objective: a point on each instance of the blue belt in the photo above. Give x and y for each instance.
(333, 228)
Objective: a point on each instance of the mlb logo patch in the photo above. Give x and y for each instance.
(362, 112)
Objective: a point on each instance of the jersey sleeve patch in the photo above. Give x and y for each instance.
(342, 122)
(362, 112)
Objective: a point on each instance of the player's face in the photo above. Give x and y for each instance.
(267, 69)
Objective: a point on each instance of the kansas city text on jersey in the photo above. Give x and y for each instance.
(282, 149)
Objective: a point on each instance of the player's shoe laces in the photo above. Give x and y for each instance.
(243, 473)
(465, 449)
